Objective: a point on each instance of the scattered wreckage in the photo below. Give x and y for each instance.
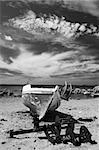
(41, 101)
(54, 134)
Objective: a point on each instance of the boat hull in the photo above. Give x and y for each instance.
(42, 100)
(40, 103)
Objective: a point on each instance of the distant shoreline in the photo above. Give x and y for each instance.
(48, 85)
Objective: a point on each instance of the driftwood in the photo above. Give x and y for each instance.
(12, 133)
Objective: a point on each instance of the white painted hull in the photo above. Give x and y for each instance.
(41, 100)
(31, 99)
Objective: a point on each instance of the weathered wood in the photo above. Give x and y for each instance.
(12, 133)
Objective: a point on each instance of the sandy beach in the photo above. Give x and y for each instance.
(14, 116)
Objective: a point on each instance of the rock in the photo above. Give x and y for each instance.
(3, 119)
(3, 142)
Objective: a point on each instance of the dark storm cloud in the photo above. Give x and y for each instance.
(39, 47)
(73, 11)
(10, 9)
(8, 53)
(92, 45)
(89, 6)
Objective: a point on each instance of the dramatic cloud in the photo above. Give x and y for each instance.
(48, 64)
(49, 47)
(31, 24)
(90, 6)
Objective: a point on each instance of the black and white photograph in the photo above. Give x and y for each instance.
(49, 74)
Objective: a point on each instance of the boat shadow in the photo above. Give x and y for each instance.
(65, 118)
(49, 118)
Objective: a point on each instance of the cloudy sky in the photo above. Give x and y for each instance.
(48, 42)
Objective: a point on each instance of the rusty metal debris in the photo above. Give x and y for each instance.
(53, 132)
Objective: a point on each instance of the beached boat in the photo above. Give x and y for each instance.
(41, 100)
